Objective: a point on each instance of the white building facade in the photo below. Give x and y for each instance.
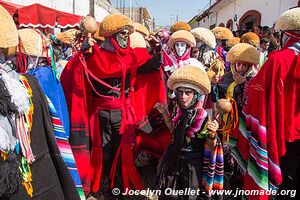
(242, 13)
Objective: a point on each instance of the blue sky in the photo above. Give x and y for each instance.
(165, 11)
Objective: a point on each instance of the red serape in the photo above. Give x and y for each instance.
(273, 119)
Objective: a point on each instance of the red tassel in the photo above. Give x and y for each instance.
(96, 168)
(114, 167)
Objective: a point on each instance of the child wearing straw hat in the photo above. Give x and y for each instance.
(184, 166)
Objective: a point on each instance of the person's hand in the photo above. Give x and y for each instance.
(272, 30)
(88, 42)
(211, 138)
(154, 43)
(215, 79)
(212, 126)
(162, 108)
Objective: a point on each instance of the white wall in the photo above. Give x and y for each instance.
(270, 10)
(100, 13)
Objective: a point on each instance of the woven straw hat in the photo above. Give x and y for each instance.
(243, 53)
(233, 41)
(191, 77)
(141, 29)
(33, 43)
(137, 40)
(97, 34)
(8, 33)
(205, 35)
(180, 26)
(68, 36)
(182, 36)
(222, 33)
(114, 23)
(250, 38)
(289, 20)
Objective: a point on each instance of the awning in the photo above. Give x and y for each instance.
(10, 7)
(37, 15)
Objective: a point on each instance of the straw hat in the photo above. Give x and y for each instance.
(243, 53)
(97, 34)
(191, 77)
(141, 29)
(205, 35)
(182, 36)
(68, 36)
(289, 20)
(137, 40)
(233, 41)
(33, 43)
(8, 33)
(250, 38)
(114, 23)
(222, 33)
(180, 26)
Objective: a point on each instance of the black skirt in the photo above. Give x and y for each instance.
(182, 177)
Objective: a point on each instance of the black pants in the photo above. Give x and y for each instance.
(110, 122)
(290, 168)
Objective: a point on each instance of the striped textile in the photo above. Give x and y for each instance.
(262, 172)
(65, 148)
(213, 167)
(239, 143)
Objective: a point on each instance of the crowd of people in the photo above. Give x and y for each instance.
(81, 110)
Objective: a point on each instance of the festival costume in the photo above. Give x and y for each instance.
(222, 35)
(158, 136)
(272, 124)
(99, 87)
(188, 161)
(273, 121)
(233, 130)
(37, 158)
(39, 56)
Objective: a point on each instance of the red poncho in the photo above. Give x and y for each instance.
(272, 119)
(84, 108)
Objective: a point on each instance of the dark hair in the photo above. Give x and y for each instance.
(264, 40)
(259, 27)
(265, 28)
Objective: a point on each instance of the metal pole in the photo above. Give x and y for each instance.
(130, 9)
(92, 8)
(74, 6)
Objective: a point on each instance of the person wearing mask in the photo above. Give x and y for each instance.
(193, 139)
(99, 87)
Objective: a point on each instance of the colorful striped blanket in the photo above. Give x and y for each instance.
(65, 148)
(213, 168)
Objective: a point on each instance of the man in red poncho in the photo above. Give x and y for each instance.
(99, 93)
(273, 116)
